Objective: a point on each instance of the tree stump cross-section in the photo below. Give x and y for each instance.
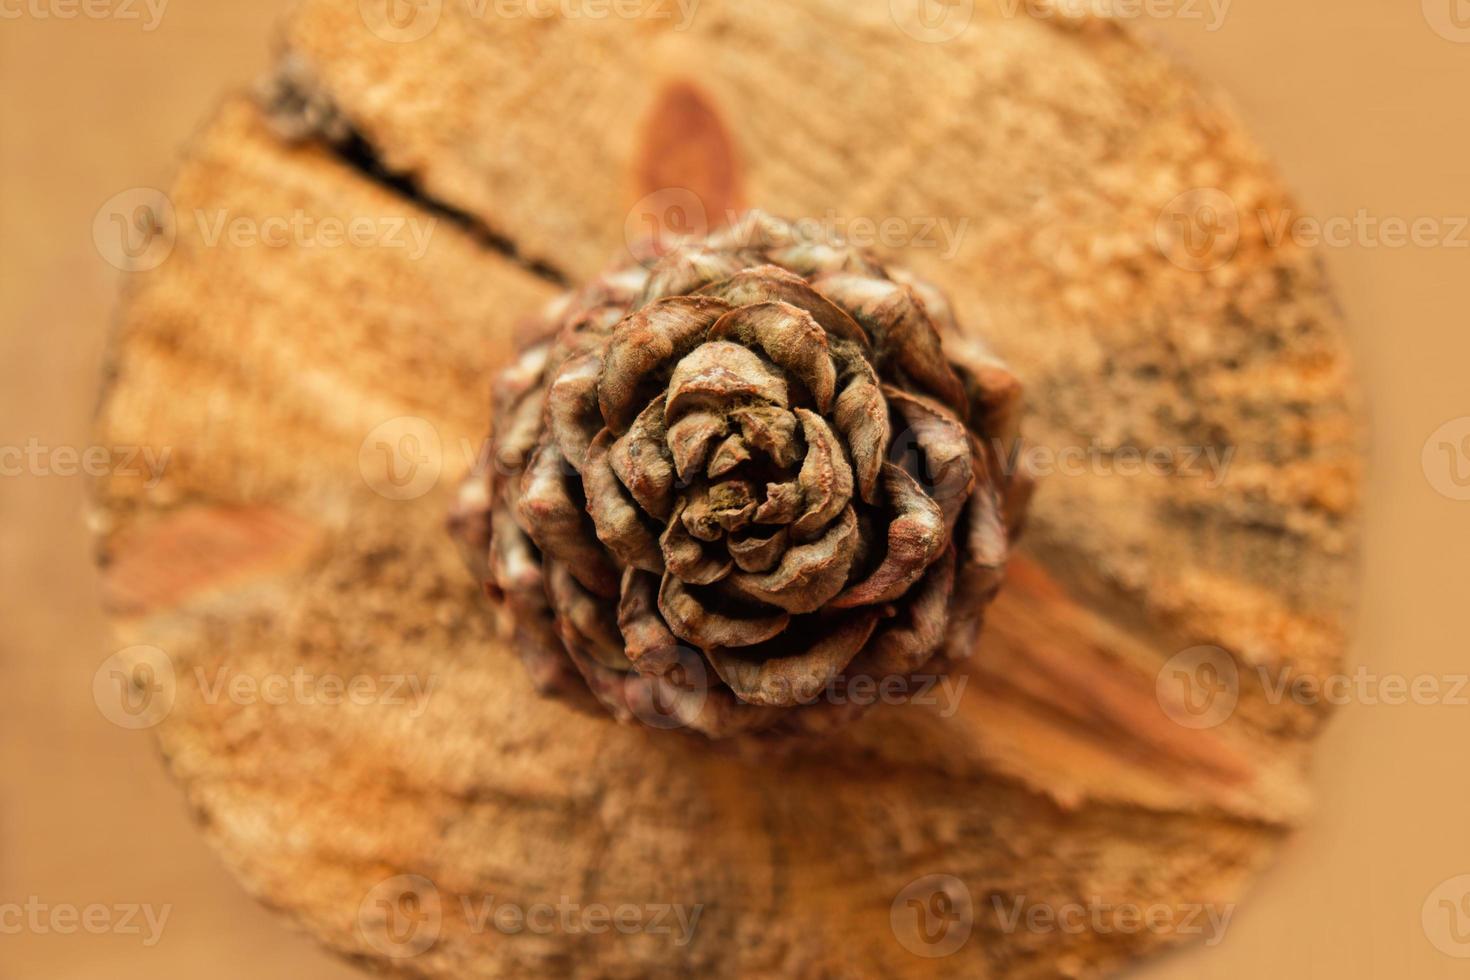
(322, 403)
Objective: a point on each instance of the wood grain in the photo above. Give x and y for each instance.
(1055, 778)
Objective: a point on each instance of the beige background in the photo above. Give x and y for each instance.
(1362, 103)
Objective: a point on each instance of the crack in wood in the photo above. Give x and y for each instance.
(300, 110)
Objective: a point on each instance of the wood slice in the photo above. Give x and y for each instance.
(321, 404)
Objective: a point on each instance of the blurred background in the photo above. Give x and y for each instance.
(1362, 104)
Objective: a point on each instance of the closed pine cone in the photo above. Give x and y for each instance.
(726, 482)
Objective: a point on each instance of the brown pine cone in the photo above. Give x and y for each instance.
(721, 487)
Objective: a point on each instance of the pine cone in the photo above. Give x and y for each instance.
(720, 487)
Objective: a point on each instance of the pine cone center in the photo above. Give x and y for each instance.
(728, 481)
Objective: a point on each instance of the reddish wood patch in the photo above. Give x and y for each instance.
(198, 550)
(686, 148)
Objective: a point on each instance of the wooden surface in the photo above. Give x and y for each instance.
(1363, 109)
(1059, 778)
